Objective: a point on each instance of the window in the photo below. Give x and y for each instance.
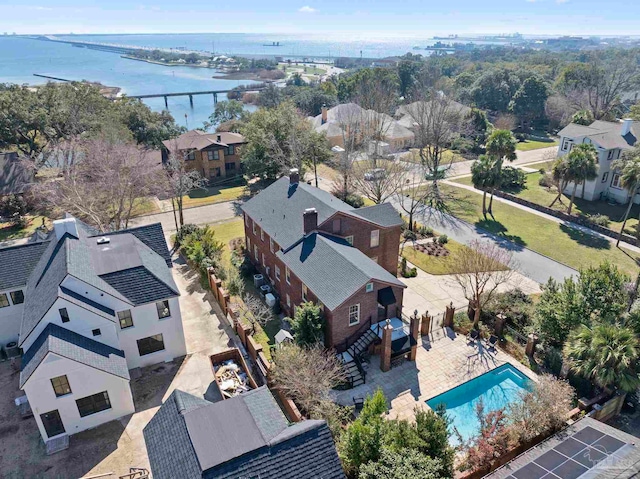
(17, 297)
(605, 176)
(191, 155)
(216, 172)
(231, 150)
(336, 225)
(369, 287)
(278, 273)
(163, 309)
(610, 154)
(249, 244)
(349, 239)
(288, 300)
(271, 248)
(149, 345)
(264, 262)
(93, 404)
(253, 227)
(565, 144)
(287, 275)
(4, 301)
(261, 234)
(61, 386)
(126, 321)
(304, 293)
(230, 166)
(96, 332)
(375, 239)
(354, 314)
(615, 180)
(64, 316)
(213, 155)
(246, 220)
(255, 251)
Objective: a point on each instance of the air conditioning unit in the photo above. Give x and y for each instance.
(258, 280)
(265, 289)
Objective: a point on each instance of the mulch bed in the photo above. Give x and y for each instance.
(432, 249)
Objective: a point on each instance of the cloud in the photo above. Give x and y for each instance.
(38, 7)
(307, 9)
(562, 1)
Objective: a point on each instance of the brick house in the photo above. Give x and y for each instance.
(214, 155)
(314, 247)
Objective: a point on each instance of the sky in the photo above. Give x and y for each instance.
(370, 17)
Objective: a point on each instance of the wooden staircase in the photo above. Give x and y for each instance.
(354, 372)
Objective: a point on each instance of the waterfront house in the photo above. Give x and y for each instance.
(94, 307)
(611, 139)
(247, 436)
(215, 156)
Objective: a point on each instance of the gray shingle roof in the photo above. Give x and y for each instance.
(16, 175)
(383, 215)
(604, 133)
(279, 208)
(86, 260)
(17, 263)
(63, 342)
(245, 436)
(152, 236)
(333, 269)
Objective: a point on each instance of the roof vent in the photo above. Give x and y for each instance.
(103, 240)
(219, 138)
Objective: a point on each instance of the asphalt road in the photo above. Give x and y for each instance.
(200, 215)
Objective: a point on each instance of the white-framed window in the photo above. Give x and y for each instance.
(304, 293)
(264, 261)
(288, 300)
(611, 154)
(278, 273)
(336, 225)
(249, 244)
(4, 301)
(375, 239)
(349, 239)
(565, 144)
(272, 245)
(369, 287)
(354, 314)
(255, 252)
(287, 275)
(246, 220)
(374, 259)
(254, 226)
(213, 155)
(261, 234)
(231, 150)
(605, 176)
(615, 181)
(17, 297)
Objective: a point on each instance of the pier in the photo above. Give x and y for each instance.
(191, 94)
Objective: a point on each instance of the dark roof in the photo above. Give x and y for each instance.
(17, 263)
(71, 345)
(83, 258)
(88, 301)
(152, 236)
(199, 140)
(333, 269)
(588, 448)
(279, 208)
(245, 436)
(15, 174)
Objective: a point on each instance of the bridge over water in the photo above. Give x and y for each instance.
(191, 94)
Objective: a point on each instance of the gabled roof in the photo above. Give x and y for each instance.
(83, 258)
(245, 436)
(17, 263)
(71, 345)
(407, 110)
(16, 175)
(333, 269)
(199, 140)
(151, 235)
(139, 285)
(606, 134)
(279, 210)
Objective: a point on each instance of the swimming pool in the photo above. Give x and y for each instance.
(497, 388)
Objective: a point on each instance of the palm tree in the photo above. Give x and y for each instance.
(562, 177)
(606, 354)
(629, 168)
(500, 145)
(583, 163)
(483, 178)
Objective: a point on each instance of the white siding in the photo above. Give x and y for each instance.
(84, 381)
(10, 318)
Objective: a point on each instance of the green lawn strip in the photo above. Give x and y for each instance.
(437, 265)
(145, 206)
(10, 232)
(559, 242)
(213, 194)
(529, 145)
(448, 157)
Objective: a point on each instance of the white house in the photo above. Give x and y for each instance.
(610, 139)
(95, 306)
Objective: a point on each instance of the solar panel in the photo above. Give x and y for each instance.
(571, 458)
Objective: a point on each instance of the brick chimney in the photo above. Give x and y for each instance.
(310, 218)
(324, 114)
(626, 126)
(294, 176)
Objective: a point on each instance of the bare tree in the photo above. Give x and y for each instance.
(306, 375)
(105, 183)
(505, 121)
(255, 310)
(480, 269)
(412, 193)
(378, 181)
(349, 119)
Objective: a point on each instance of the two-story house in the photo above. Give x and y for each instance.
(214, 155)
(94, 307)
(611, 139)
(314, 247)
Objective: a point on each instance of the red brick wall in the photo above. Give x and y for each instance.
(206, 167)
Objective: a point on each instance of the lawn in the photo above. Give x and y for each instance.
(9, 232)
(437, 265)
(214, 194)
(448, 157)
(145, 206)
(557, 241)
(529, 145)
(544, 196)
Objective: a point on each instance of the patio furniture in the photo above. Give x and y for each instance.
(491, 342)
(473, 336)
(358, 403)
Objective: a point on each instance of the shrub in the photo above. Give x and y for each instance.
(600, 220)
(515, 305)
(462, 323)
(409, 235)
(308, 324)
(546, 180)
(409, 273)
(443, 239)
(354, 200)
(14, 208)
(513, 178)
(463, 145)
(234, 283)
(186, 230)
(425, 231)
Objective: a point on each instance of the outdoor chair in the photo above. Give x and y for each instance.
(358, 403)
(491, 342)
(472, 337)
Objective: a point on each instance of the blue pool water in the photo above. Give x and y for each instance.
(497, 388)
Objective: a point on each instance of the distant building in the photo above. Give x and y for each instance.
(16, 176)
(214, 155)
(611, 139)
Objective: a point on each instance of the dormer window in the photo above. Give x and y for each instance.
(64, 315)
(191, 155)
(611, 154)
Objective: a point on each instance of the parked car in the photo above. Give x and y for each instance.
(439, 174)
(375, 174)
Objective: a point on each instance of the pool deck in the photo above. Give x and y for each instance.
(444, 360)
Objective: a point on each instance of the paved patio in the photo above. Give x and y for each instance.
(444, 361)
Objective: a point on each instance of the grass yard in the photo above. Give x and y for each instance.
(145, 206)
(448, 157)
(544, 196)
(9, 232)
(557, 241)
(438, 264)
(536, 144)
(214, 194)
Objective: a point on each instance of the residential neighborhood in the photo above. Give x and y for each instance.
(389, 260)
